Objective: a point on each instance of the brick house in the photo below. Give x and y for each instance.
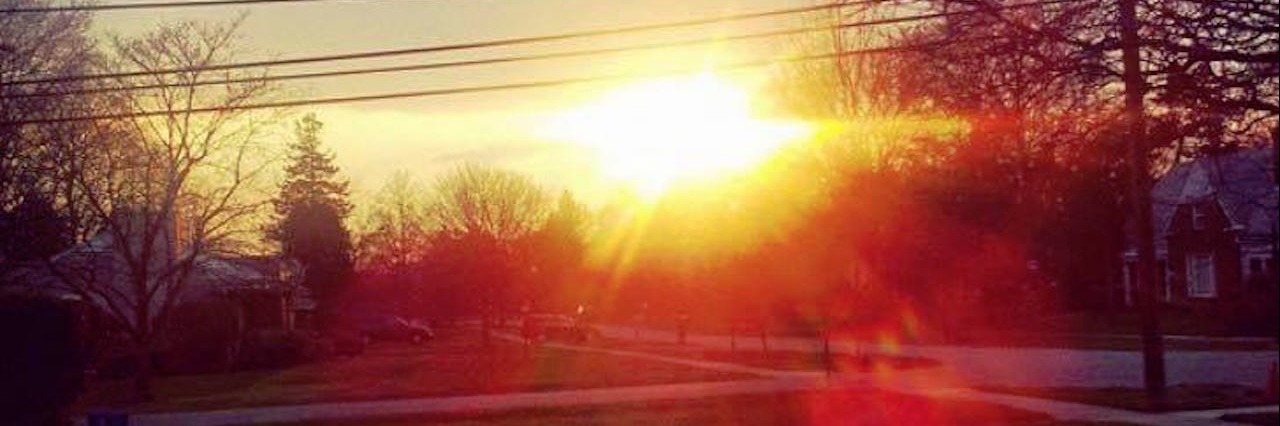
(1215, 223)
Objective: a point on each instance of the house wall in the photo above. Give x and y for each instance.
(263, 310)
(1216, 238)
(1260, 255)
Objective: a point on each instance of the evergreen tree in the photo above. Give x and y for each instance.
(557, 250)
(311, 209)
(312, 177)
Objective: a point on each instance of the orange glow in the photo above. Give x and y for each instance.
(653, 134)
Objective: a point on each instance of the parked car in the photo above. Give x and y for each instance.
(346, 342)
(394, 328)
(563, 327)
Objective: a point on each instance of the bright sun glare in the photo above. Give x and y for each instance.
(653, 134)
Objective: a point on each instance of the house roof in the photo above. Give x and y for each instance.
(212, 274)
(257, 273)
(227, 270)
(1242, 182)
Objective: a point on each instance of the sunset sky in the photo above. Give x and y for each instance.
(507, 129)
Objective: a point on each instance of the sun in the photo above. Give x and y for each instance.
(653, 134)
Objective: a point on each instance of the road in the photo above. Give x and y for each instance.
(1020, 366)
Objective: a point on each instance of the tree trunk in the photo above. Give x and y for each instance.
(142, 338)
(142, 377)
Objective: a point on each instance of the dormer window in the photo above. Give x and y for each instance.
(1198, 217)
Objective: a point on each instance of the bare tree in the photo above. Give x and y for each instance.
(1213, 72)
(170, 188)
(490, 203)
(39, 47)
(486, 213)
(398, 227)
(1211, 69)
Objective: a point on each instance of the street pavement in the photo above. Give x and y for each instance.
(1021, 366)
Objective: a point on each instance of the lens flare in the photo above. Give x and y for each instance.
(654, 134)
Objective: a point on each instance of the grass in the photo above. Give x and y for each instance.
(1179, 398)
(1263, 419)
(789, 408)
(449, 366)
(776, 359)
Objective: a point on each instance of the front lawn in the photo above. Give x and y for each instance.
(1179, 398)
(789, 408)
(449, 366)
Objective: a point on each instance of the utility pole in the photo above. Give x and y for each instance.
(1135, 89)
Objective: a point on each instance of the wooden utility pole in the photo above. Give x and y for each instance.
(1135, 89)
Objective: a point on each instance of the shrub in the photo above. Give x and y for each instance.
(1256, 314)
(203, 336)
(40, 360)
(281, 349)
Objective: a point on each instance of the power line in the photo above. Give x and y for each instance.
(466, 63)
(456, 47)
(481, 89)
(502, 60)
(154, 5)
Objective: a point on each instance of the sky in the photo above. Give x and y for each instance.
(427, 136)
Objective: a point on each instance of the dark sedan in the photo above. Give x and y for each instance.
(394, 328)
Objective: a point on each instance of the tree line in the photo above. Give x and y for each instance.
(478, 242)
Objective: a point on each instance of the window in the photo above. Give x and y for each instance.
(1198, 217)
(1130, 280)
(1200, 276)
(1162, 277)
(1260, 268)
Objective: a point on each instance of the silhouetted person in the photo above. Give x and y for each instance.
(682, 325)
(641, 318)
(528, 327)
(582, 324)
